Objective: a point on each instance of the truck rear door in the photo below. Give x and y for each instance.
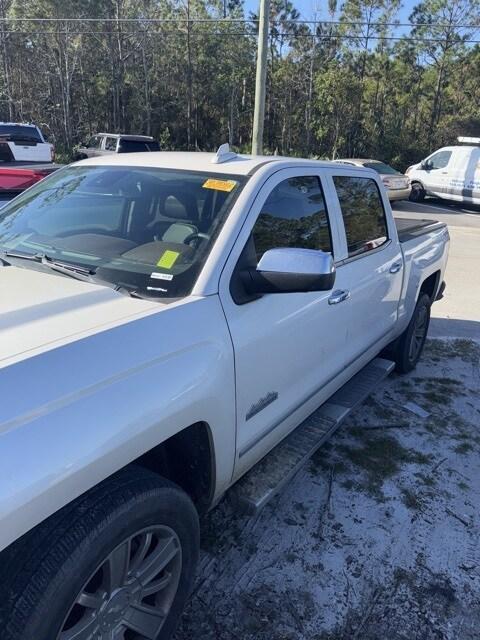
(369, 263)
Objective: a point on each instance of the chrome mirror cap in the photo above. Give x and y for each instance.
(291, 270)
(300, 261)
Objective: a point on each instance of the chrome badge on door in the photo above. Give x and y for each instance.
(261, 404)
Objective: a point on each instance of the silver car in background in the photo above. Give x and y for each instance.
(397, 184)
(103, 144)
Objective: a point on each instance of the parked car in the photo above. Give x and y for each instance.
(396, 183)
(452, 173)
(22, 142)
(178, 324)
(103, 144)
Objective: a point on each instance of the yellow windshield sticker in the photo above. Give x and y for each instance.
(219, 185)
(168, 259)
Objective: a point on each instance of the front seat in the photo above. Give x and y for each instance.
(179, 217)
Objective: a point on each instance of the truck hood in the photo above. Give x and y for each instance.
(41, 311)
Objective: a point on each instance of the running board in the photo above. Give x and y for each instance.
(268, 476)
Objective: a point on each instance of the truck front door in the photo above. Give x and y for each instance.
(436, 172)
(287, 346)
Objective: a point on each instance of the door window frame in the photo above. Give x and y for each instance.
(326, 212)
(105, 143)
(440, 151)
(342, 256)
(256, 207)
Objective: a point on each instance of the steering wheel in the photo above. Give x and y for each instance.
(195, 236)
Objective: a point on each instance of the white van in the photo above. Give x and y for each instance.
(452, 173)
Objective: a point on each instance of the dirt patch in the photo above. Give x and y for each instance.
(377, 537)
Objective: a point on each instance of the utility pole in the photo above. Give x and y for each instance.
(261, 79)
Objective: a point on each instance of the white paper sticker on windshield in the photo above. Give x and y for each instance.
(157, 289)
(162, 276)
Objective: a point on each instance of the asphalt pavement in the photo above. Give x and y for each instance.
(458, 314)
(455, 215)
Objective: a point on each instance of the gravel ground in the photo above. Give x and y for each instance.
(376, 537)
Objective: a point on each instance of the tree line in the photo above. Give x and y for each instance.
(184, 71)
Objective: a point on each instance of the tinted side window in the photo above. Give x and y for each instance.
(440, 160)
(363, 213)
(293, 215)
(132, 146)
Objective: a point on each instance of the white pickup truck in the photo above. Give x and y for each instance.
(25, 143)
(173, 326)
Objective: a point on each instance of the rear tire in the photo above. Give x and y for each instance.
(417, 193)
(407, 349)
(119, 560)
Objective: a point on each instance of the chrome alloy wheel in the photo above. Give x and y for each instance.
(129, 595)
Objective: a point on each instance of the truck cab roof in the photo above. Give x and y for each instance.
(237, 164)
(127, 136)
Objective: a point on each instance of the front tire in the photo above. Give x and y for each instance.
(408, 348)
(418, 193)
(118, 563)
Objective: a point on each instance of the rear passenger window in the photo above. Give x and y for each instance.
(363, 213)
(293, 215)
(110, 144)
(131, 146)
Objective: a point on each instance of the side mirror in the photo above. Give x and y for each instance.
(426, 165)
(290, 270)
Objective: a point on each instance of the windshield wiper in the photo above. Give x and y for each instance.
(34, 257)
(67, 268)
(79, 272)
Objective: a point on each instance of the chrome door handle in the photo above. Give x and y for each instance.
(338, 296)
(395, 268)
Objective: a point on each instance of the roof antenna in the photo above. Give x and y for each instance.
(223, 154)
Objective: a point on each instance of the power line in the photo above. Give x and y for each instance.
(388, 24)
(234, 34)
(245, 20)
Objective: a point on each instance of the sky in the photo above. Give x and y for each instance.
(308, 7)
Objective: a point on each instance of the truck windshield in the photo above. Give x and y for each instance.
(146, 231)
(17, 132)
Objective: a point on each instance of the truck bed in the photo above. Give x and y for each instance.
(28, 164)
(18, 176)
(409, 228)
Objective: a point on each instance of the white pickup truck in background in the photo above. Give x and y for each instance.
(173, 326)
(25, 157)
(20, 142)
